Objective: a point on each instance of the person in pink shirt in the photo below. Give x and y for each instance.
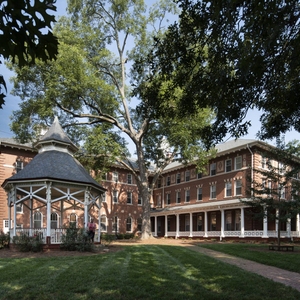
(91, 229)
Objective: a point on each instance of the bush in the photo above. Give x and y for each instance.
(107, 238)
(76, 239)
(4, 239)
(25, 243)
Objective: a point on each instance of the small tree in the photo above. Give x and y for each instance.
(275, 186)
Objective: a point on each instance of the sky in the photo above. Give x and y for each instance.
(11, 102)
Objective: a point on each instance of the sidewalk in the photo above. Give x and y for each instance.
(286, 277)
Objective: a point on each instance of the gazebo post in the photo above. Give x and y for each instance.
(48, 195)
(86, 203)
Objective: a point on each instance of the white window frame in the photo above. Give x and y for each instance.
(168, 180)
(129, 223)
(228, 189)
(37, 213)
(237, 187)
(129, 198)
(228, 165)
(52, 222)
(199, 192)
(187, 175)
(140, 200)
(115, 176)
(238, 162)
(187, 196)
(178, 178)
(103, 223)
(213, 191)
(19, 208)
(115, 196)
(178, 197)
(19, 165)
(168, 198)
(129, 178)
(213, 169)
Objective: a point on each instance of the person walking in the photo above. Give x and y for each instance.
(91, 230)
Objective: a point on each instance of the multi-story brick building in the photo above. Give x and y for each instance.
(207, 205)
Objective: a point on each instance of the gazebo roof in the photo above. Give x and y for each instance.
(55, 163)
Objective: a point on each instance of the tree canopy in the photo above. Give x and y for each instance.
(25, 33)
(89, 86)
(233, 56)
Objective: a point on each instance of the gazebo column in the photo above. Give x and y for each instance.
(48, 198)
(86, 204)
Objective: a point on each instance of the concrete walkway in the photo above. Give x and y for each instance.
(286, 277)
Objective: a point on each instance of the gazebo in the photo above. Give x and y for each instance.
(52, 191)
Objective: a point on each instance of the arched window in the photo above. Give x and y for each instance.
(103, 223)
(37, 220)
(73, 219)
(128, 224)
(54, 220)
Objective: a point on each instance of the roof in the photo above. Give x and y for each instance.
(13, 143)
(56, 134)
(54, 165)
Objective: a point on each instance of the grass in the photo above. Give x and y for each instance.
(260, 253)
(137, 272)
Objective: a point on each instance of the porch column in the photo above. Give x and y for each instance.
(288, 227)
(205, 224)
(155, 225)
(191, 224)
(86, 203)
(242, 223)
(166, 226)
(15, 216)
(61, 214)
(297, 225)
(48, 198)
(265, 225)
(276, 221)
(222, 224)
(9, 213)
(177, 225)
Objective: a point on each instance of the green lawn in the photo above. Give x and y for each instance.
(137, 272)
(260, 253)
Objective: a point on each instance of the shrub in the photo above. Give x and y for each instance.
(4, 239)
(25, 243)
(107, 238)
(76, 239)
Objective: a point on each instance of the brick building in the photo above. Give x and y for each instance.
(191, 204)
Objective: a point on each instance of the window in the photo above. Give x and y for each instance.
(199, 194)
(238, 187)
(178, 178)
(281, 168)
(237, 220)
(178, 200)
(140, 202)
(115, 196)
(129, 178)
(103, 220)
(128, 224)
(199, 175)
(213, 169)
(19, 166)
(158, 200)
(19, 208)
(115, 176)
(159, 183)
(213, 221)
(139, 224)
(228, 165)
(129, 197)
(168, 180)
(187, 223)
(199, 222)
(213, 191)
(54, 219)
(281, 192)
(228, 188)
(37, 220)
(263, 162)
(168, 198)
(73, 219)
(228, 220)
(187, 175)
(187, 196)
(238, 162)
(115, 224)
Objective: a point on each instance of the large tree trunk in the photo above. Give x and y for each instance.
(146, 225)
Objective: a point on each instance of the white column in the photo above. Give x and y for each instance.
(15, 217)
(191, 225)
(86, 203)
(205, 224)
(177, 226)
(265, 224)
(288, 227)
(155, 226)
(166, 226)
(222, 224)
(242, 223)
(297, 225)
(276, 221)
(48, 198)
(9, 212)
(61, 214)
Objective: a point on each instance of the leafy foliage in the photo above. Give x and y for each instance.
(76, 239)
(25, 33)
(232, 56)
(4, 239)
(25, 243)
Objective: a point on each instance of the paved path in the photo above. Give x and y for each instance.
(286, 277)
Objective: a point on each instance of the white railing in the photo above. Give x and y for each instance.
(232, 233)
